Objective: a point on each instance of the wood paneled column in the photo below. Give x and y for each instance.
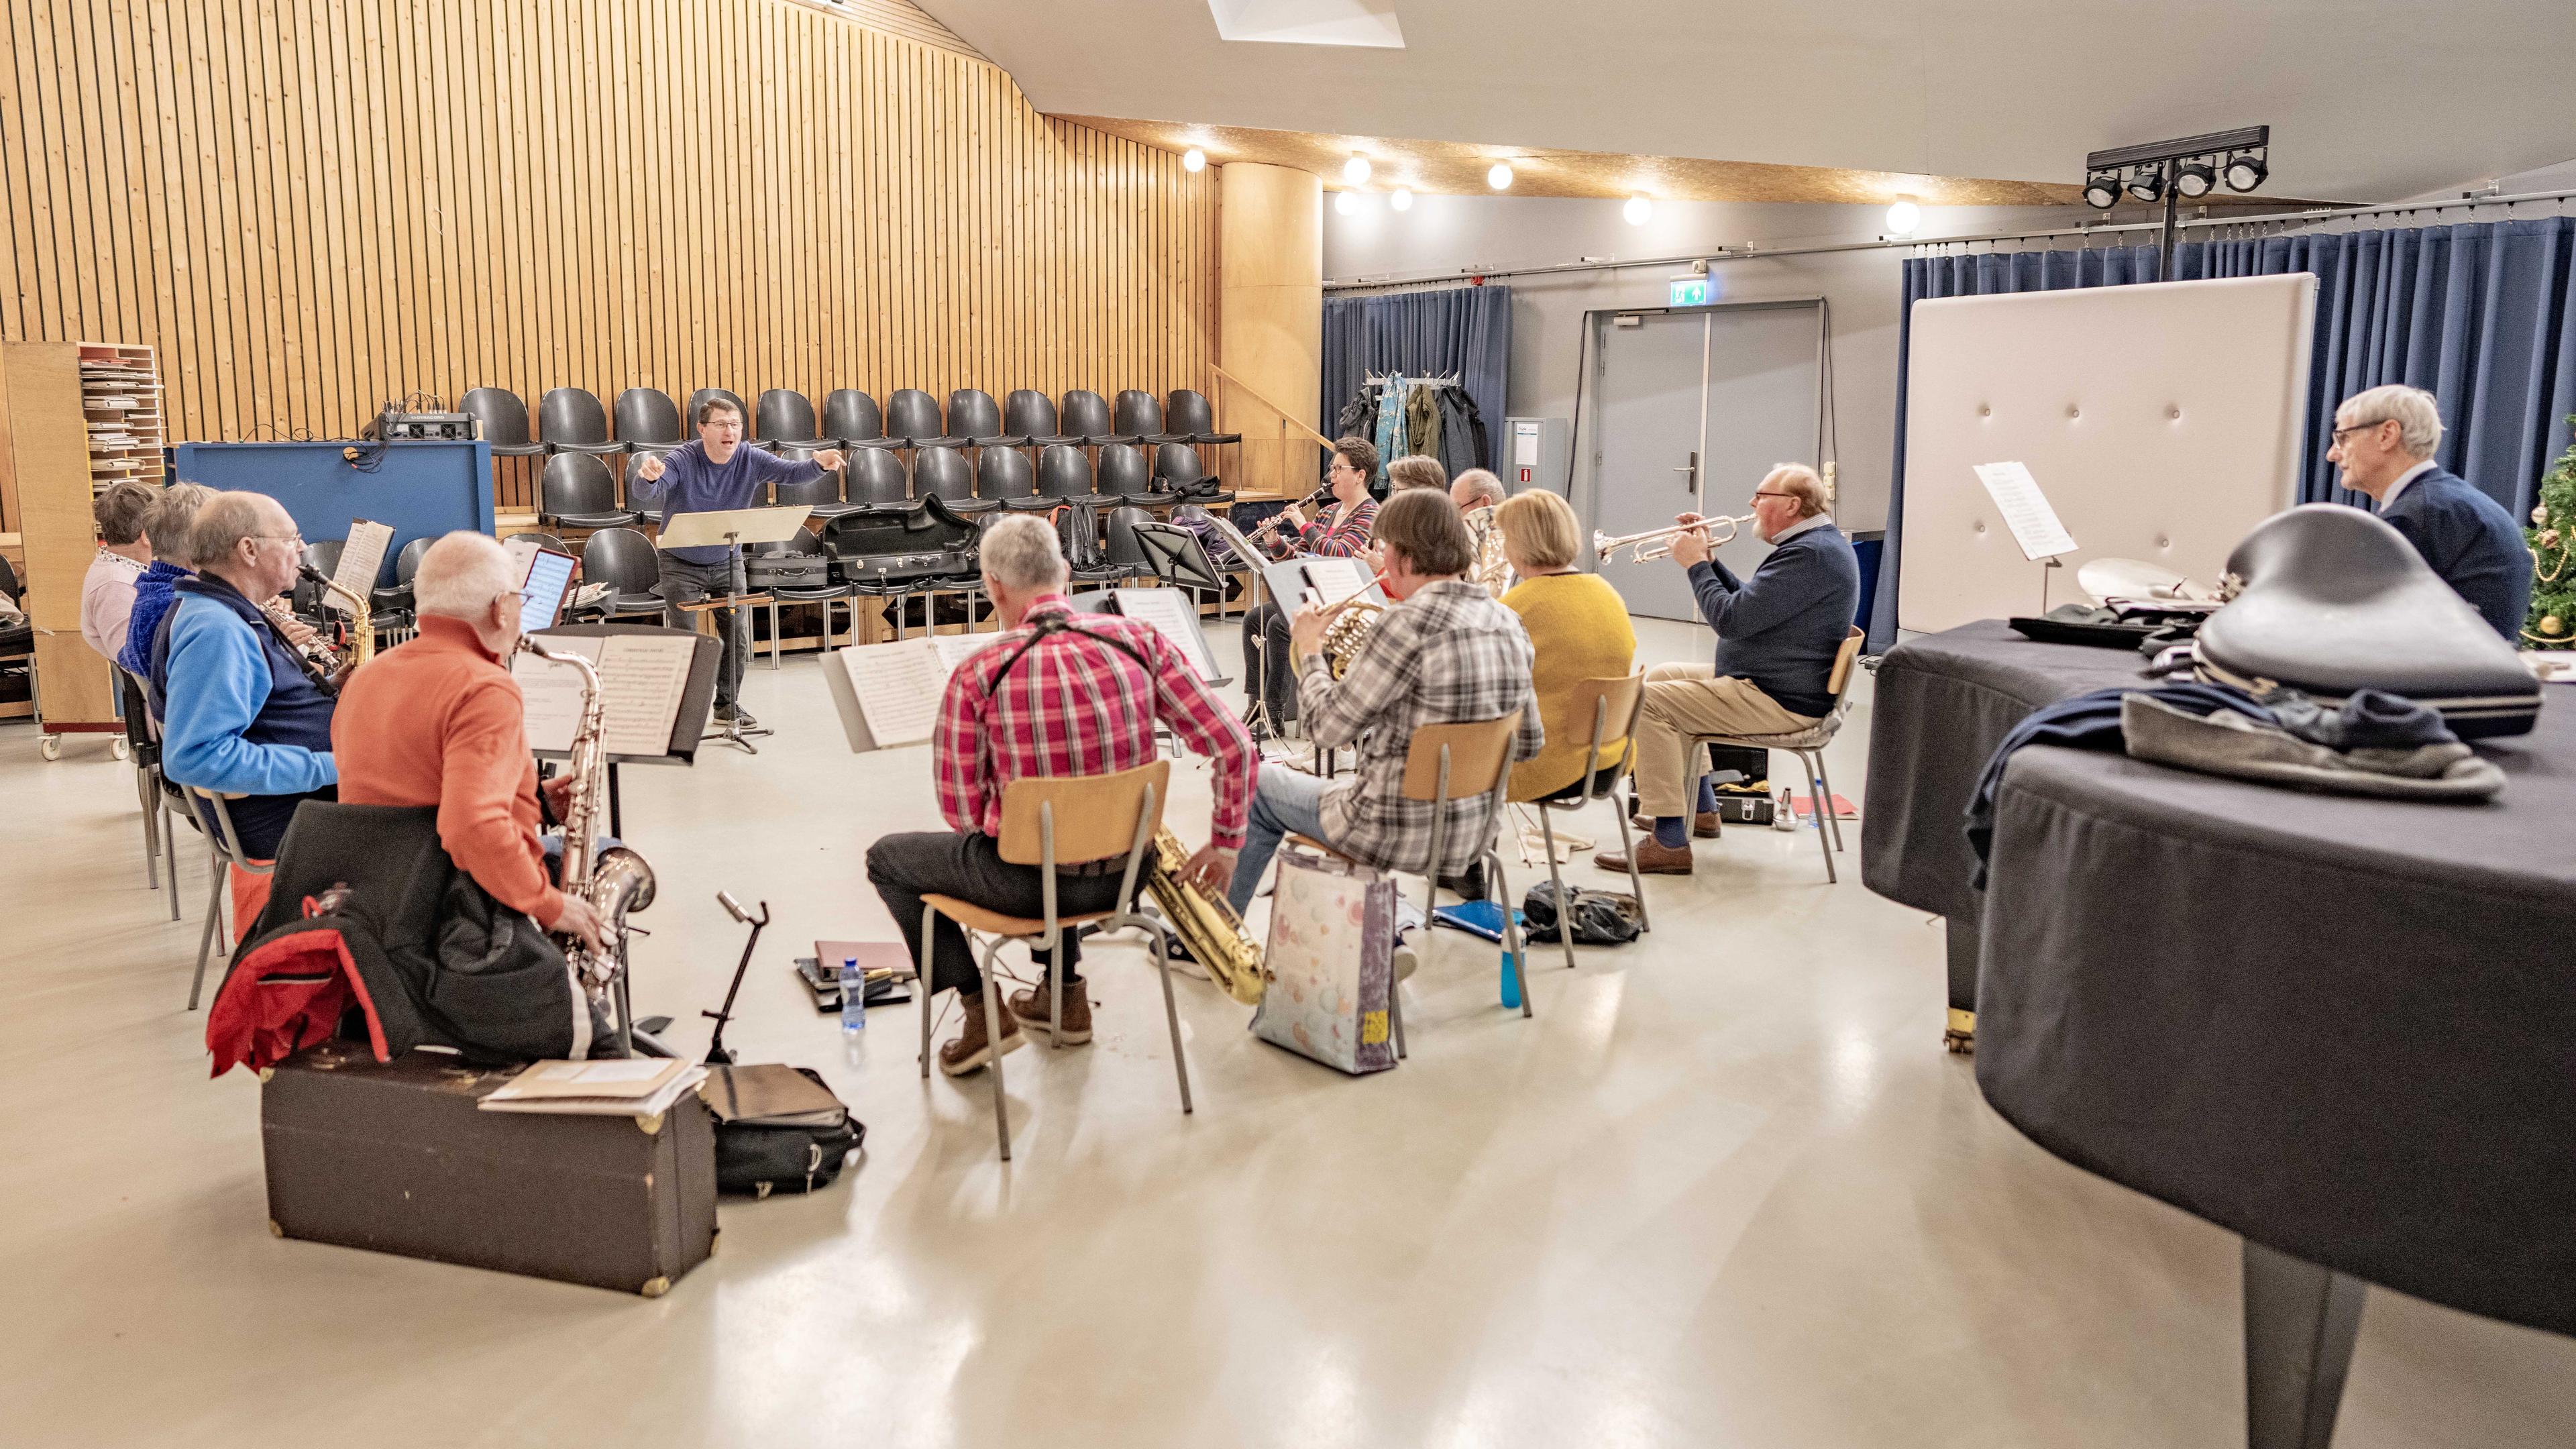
(1271, 321)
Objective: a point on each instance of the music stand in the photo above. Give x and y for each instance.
(1178, 558)
(732, 528)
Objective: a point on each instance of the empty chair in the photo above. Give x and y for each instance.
(1005, 475)
(875, 479)
(646, 415)
(623, 559)
(541, 539)
(822, 495)
(570, 420)
(1125, 553)
(945, 474)
(913, 416)
(1064, 472)
(785, 416)
(705, 395)
(1139, 415)
(1029, 413)
(1125, 476)
(390, 609)
(973, 416)
(502, 420)
(322, 555)
(577, 491)
(1188, 418)
(1085, 417)
(852, 416)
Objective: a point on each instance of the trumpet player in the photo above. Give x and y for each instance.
(1777, 633)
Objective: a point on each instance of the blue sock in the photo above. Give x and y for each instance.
(1672, 830)
(1707, 796)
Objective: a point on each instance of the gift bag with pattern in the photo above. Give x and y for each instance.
(1329, 966)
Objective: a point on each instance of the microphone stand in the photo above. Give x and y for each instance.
(717, 1054)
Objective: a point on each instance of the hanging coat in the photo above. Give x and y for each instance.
(1422, 419)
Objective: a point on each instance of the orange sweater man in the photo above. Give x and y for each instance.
(439, 721)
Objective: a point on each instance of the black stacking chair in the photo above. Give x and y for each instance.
(1065, 476)
(1084, 418)
(502, 420)
(1005, 475)
(1030, 414)
(826, 593)
(874, 478)
(578, 491)
(647, 418)
(391, 610)
(852, 416)
(945, 474)
(570, 420)
(823, 495)
(973, 416)
(912, 420)
(1179, 475)
(623, 559)
(1138, 417)
(1189, 419)
(323, 556)
(1125, 477)
(544, 540)
(643, 497)
(1125, 553)
(785, 416)
(705, 395)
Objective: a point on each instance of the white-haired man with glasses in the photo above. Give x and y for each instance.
(2384, 440)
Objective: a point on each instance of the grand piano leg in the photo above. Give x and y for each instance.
(1961, 1036)
(2300, 1322)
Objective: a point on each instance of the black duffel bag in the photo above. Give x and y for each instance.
(775, 1133)
(1601, 918)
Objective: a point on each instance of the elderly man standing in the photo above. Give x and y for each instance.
(107, 590)
(440, 722)
(1477, 494)
(2384, 439)
(1777, 634)
(242, 714)
(170, 528)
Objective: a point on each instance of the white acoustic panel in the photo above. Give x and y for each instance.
(2163, 421)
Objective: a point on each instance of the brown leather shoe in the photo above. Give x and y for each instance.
(1030, 1007)
(1704, 825)
(972, 1048)
(1653, 858)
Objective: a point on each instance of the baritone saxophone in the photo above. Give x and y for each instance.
(1205, 923)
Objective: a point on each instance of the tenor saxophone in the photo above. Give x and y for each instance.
(615, 881)
(1205, 923)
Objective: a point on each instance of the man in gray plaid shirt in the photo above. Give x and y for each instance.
(1447, 653)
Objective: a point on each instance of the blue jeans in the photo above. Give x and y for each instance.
(1283, 801)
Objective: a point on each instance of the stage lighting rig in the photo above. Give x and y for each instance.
(2169, 171)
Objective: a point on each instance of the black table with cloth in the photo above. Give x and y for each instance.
(2344, 1028)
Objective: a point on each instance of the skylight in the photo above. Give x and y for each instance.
(1310, 22)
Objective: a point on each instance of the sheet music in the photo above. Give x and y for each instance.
(1337, 578)
(898, 687)
(1173, 615)
(2026, 510)
(956, 649)
(553, 692)
(360, 558)
(523, 552)
(644, 676)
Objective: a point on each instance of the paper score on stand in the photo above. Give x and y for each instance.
(2026, 510)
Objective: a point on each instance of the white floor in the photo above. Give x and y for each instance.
(1725, 1189)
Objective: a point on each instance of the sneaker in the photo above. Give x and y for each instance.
(1030, 1007)
(743, 718)
(972, 1047)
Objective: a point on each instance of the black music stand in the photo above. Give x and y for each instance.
(734, 527)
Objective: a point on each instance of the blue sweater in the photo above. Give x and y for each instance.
(1782, 627)
(152, 599)
(691, 484)
(239, 713)
(2471, 542)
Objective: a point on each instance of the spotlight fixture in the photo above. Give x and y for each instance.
(2245, 172)
(1346, 203)
(1356, 170)
(2147, 184)
(1638, 210)
(1194, 159)
(2195, 179)
(2164, 172)
(1401, 198)
(2102, 190)
(1904, 216)
(1500, 177)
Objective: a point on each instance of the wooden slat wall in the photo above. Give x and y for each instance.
(311, 206)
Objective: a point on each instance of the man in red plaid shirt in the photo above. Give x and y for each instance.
(1056, 694)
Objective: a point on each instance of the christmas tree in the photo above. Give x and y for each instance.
(2552, 537)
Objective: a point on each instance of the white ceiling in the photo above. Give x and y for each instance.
(2367, 99)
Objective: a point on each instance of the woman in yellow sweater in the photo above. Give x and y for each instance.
(1578, 630)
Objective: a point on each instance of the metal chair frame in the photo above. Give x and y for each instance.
(1809, 746)
(226, 845)
(1596, 787)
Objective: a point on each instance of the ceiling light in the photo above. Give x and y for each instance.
(2195, 178)
(2147, 184)
(1401, 199)
(1356, 170)
(1904, 216)
(2244, 173)
(1500, 177)
(1637, 210)
(2102, 190)
(1194, 159)
(1346, 203)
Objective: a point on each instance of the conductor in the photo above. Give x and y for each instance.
(712, 475)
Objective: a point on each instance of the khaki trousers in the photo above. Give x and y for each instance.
(1687, 700)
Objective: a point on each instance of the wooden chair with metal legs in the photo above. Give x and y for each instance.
(1445, 763)
(1050, 823)
(1809, 746)
(1613, 706)
(217, 821)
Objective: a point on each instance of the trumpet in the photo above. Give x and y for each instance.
(1657, 542)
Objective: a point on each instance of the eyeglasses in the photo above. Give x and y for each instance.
(296, 539)
(2339, 433)
(1759, 494)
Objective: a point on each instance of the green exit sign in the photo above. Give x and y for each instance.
(1690, 291)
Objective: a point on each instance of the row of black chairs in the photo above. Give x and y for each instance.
(577, 489)
(570, 420)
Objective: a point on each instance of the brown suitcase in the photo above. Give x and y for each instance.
(396, 1157)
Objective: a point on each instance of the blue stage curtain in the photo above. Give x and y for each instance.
(1462, 330)
(2479, 314)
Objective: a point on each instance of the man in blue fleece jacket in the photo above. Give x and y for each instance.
(1777, 634)
(241, 713)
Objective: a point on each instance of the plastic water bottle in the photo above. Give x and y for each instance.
(1511, 977)
(854, 996)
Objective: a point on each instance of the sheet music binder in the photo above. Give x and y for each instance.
(697, 697)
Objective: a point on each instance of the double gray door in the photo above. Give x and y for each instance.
(1694, 405)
